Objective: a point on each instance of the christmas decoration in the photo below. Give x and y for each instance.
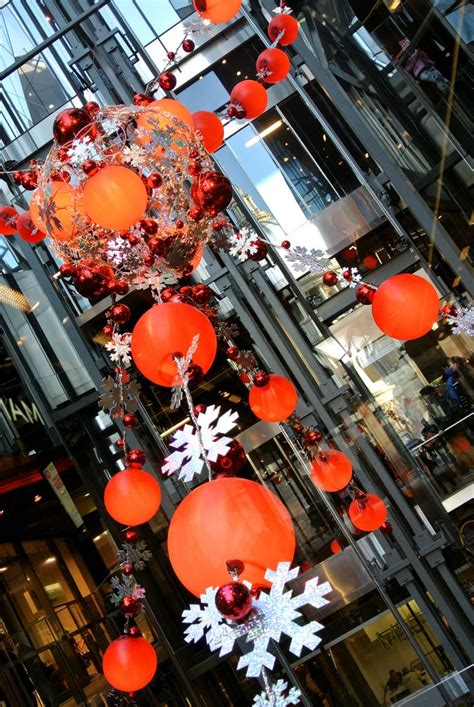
(132, 496)
(234, 601)
(217, 11)
(236, 518)
(367, 512)
(273, 65)
(275, 401)
(331, 471)
(283, 29)
(405, 306)
(274, 697)
(126, 591)
(193, 449)
(335, 547)
(135, 555)
(211, 192)
(210, 128)
(129, 664)
(462, 321)
(351, 276)
(231, 462)
(370, 262)
(243, 244)
(72, 123)
(27, 229)
(365, 294)
(303, 259)
(8, 219)
(118, 396)
(274, 613)
(250, 97)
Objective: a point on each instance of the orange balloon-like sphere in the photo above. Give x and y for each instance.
(129, 664)
(210, 127)
(217, 11)
(155, 118)
(35, 202)
(275, 401)
(27, 229)
(132, 496)
(335, 547)
(167, 329)
(273, 65)
(8, 217)
(283, 23)
(331, 471)
(252, 96)
(228, 519)
(369, 513)
(66, 202)
(115, 197)
(405, 306)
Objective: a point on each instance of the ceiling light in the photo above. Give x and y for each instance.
(51, 105)
(49, 560)
(37, 498)
(324, 137)
(238, 73)
(3, 569)
(97, 538)
(224, 61)
(271, 128)
(2, 511)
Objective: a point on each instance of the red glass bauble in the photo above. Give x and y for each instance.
(232, 461)
(368, 512)
(370, 262)
(283, 23)
(167, 293)
(286, 245)
(120, 314)
(261, 251)
(225, 519)
(275, 401)
(129, 606)
(30, 179)
(129, 663)
(330, 278)
(188, 45)
(251, 95)
(168, 329)
(331, 471)
(233, 353)
(142, 99)
(90, 167)
(130, 420)
(92, 108)
(273, 65)
(27, 229)
(8, 219)
(261, 379)
(67, 270)
(167, 81)
(212, 192)
(365, 294)
(199, 408)
(335, 547)
(86, 281)
(234, 601)
(201, 294)
(312, 437)
(405, 306)
(196, 213)
(132, 496)
(217, 11)
(130, 536)
(115, 198)
(349, 255)
(135, 458)
(448, 310)
(210, 128)
(72, 123)
(154, 180)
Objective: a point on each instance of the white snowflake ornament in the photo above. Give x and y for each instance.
(354, 279)
(303, 259)
(189, 458)
(275, 696)
(120, 349)
(243, 244)
(80, 150)
(463, 321)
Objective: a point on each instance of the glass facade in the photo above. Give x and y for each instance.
(362, 153)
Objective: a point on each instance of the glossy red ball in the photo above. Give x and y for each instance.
(286, 24)
(275, 401)
(231, 462)
(129, 606)
(273, 65)
(167, 81)
(233, 353)
(135, 458)
(73, 123)
(92, 108)
(8, 219)
(142, 99)
(330, 278)
(365, 294)
(405, 306)
(368, 512)
(188, 45)
(261, 379)
(130, 420)
(154, 180)
(67, 270)
(331, 471)
(260, 253)
(234, 601)
(129, 663)
(130, 536)
(120, 314)
(27, 229)
(212, 192)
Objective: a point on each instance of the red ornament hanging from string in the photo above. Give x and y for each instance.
(273, 65)
(27, 229)
(331, 470)
(252, 96)
(234, 601)
(8, 218)
(368, 512)
(168, 329)
(405, 306)
(217, 11)
(73, 123)
(129, 664)
(224, 520)
(274, 401)
(283, 23)
(210, 127)
(132, 496)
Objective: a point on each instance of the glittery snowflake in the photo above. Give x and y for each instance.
(273, 614)
(354, 278)
(137, 554)
(126, 587)
(275, 696)
(193, 448)
(182, 377)
(303, 259)
(119, 349)
(135, 155)
(243, 244)
(118, 250)
(463, 321)
(81, 150)
(119, 395)
(110, 126)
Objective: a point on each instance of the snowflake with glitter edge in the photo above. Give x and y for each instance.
(119, 349)
(80, 150)
(463, 321)
(243, 244)
(275, 696)
(303, 259)
(354, 279)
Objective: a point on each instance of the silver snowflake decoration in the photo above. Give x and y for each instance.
(119, 395)
(354, 279)
(463, 321)
(81, 150)
(273, 614)
(303, 259)
(135, 155)
(182, 378)
(119, 349)
(275, 696)
(110, 126)
(138, 555)
(243, 244)
(118, 250)
(127, 587)
(193, 448)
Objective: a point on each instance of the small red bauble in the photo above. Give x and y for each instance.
(18, 177)
(135, 458)
(120, 443)
(130, 420)
(196, 213)
(30, 179)
(128, 568)
(347, 275)
(335, 547)
(154, 180)
(171, 56)
(71, 123)
(121, 287)
(313, 437)
(202, 294)
(286, 245)
(349, 255)
(67, 270)
(179, 224)
(130, 606)
(167, 294)
(186, 290)
(231, 462)
(365, 294)
(232, 112)
(120, 313)
(261, 379)
(233, 353)
(108, 330)
(142, 99)
(92, 108)
(199, 408)
(234, 601)
(149, 225)
(195, 168)
(370, 262)
(330, 278)
(260, 253)
(111, 285)
(212, 192)
(167, 81)
(188, 45)
(448, 310)
(134, 632)
(130, 536)
(90, 167)
(195, 374)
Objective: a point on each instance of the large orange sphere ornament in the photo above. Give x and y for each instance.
(115, 198)
(210, 127)
(251, 96)
(163, 115)
(35, 204)
(66, 204)
(8, 218)
(132, 497)
(129, 664)
(27, 229)
(217, 11)
(274, 401)
(331, 471)
(224, 520)
(273, 65)
(368, 512)
(405, 306)
(286, 24)
(168, 329)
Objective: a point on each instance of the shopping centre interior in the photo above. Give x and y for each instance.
(360, 162)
